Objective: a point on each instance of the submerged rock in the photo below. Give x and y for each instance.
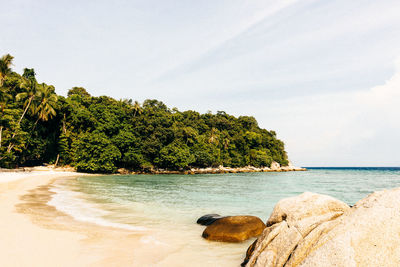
(234, 229)
(317, 230)
(209, 219)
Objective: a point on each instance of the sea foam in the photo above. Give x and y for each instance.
(73, 204)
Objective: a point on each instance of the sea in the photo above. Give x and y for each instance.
(165, 208)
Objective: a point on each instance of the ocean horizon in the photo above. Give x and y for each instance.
(353, 168)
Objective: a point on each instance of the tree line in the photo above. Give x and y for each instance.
(102, 134)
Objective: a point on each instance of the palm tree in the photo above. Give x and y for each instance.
(5, 67)
(46, 102)
(137, 108)
(29, 85)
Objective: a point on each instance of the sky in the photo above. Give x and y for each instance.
(325, 75)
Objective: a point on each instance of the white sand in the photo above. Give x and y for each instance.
(25, 242)
(39, 235)
(6, 177)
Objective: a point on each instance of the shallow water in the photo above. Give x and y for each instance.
(169, 205)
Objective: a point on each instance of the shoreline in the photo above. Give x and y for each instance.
(213, 170)
(275, 167)
(37, 234)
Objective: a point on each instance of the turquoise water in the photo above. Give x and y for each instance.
(157, 202)
(191, 196)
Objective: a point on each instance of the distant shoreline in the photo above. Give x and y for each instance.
(210, 170)
(217, 170)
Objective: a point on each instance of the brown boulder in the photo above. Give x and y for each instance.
(234, 229)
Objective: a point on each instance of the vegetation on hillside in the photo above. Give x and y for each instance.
(101, 134)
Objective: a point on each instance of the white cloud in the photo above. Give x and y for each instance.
(332, 129)
(385, 98)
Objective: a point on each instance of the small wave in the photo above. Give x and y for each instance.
(73, 204)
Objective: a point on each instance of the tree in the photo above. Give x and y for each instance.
(47, 102)
(4, 97)
(213, 136)
(101, 134)
(5, 67)
(129, 146)
(29, 85)
(78, 91)
(137, 108)
(205, 154)
(174, 156)
(94, 152)
(259, 158)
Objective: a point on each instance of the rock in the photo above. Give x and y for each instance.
(290, 222)
(249, 252)
(234, 229)
(123, 171)
(305, 210)
(275, 166)
(209, 219)
(308, 230)
(367, 235)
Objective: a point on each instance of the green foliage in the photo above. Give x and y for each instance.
(174, 156)
(259, 158)
(101, 134)
(63, 149)
(94, 152)
(78, 91)
(206, 154)
(5, 67)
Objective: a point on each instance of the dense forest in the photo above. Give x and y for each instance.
(101, 134)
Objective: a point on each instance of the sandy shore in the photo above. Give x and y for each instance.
(35, 234)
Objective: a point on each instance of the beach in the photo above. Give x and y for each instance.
(37, 234)
(32, 238)
(51, 218)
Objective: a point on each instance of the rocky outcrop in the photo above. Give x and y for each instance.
(209, 219)
(275, 167)
(317, 230)
(234, 229)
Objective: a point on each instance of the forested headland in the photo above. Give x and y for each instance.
(102, 134)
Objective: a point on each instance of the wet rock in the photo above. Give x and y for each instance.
(209, 219)
(234, 229)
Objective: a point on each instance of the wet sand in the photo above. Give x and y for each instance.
(35, 234)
